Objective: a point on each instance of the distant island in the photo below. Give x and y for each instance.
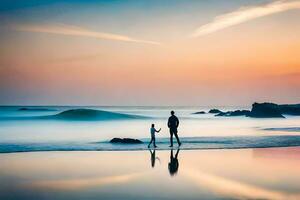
(36, 109)
(261, 110)
(200, 112)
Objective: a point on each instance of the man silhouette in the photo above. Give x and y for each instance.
(173, 124)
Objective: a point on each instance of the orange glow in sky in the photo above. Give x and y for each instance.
(184, 53)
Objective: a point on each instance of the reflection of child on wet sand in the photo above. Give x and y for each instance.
(153, 131)
(153, 158)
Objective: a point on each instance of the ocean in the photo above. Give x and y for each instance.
(45, 128)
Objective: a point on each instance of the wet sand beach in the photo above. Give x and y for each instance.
(268, 173)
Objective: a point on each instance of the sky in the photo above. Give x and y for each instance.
(139, 53)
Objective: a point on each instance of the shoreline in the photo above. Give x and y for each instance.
(156, 149)
(189, 143)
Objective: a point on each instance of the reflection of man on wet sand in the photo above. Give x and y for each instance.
(173, 164)
(153, 158)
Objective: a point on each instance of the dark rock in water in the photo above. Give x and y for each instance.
(214, 111)
(199, 113)
(259, 110)
(126, 141)
(292, 109)
(265, 110)
(234, 113)
(240, 113)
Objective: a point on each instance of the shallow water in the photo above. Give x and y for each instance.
(271, 173)
(188, 143)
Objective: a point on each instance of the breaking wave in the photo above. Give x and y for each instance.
(81, 115)
(90, 114)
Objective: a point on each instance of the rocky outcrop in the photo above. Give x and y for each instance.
(234, 113)
(293, 109)
(261, 110)
(126, 141)
(214, 111)
(265, 110)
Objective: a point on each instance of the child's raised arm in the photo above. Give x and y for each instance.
(158, 130)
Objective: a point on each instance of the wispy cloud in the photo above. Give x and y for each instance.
(63, 29)
(245, 14)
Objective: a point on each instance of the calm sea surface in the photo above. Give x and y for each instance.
(22, 127)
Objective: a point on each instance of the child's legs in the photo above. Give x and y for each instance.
(150, 141)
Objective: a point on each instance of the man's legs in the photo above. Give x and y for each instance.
(154, 142)
(171, 138)
(177, 138)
